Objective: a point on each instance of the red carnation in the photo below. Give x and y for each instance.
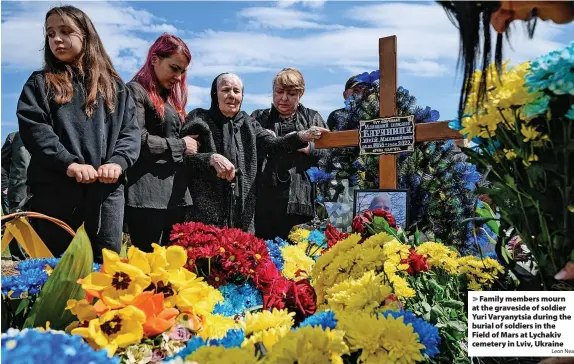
(301, 299)
(387, 216)
(417, 263)
(334, 236)
(359, 224)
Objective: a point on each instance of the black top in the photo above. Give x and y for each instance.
(57, 135)
(284, 172)
(158, 179)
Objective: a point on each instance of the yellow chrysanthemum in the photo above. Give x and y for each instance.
(400, 286)
(268, 337)
(264, 320)
(365, 294)
(348, 259)
(310, 249)
(295, 260)
(114, 329)
(219, 354)
(298, 235)
(481, 273)
(310, 345)
(380, 339)
(216, 326)
(439, 256)
(119, 284)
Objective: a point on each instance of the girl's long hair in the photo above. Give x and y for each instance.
(93, 66)
(165, 46)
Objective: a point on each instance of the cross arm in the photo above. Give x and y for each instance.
(424, 132)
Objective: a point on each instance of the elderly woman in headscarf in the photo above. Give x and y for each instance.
(286, 196)
(223, 174)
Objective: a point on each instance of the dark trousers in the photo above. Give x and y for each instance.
(100, 207)
(147, 226)
(272, 220)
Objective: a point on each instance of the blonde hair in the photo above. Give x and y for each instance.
(290, 78)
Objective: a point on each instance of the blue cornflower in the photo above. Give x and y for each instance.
(325, 319)
(428, 334)
(368, 78)
(275, 253)
(34, 346)
(237, 299)
(427, 115)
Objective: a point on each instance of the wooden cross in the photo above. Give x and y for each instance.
(424, 132)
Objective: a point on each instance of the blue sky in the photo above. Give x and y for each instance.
(327, 41)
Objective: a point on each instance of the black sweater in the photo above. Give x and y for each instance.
(158, 179)
(58, 135)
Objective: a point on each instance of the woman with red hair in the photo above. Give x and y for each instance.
(157, 196)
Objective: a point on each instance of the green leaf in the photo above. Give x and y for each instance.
(62, 285)
(453, 304)
(23, 305)
(457, 325)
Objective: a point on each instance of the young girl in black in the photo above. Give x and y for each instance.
(78, 122)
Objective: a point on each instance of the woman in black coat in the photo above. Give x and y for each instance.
(157, 195)
(286, 195)
(223, 175)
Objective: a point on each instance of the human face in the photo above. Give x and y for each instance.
(560, 12)
(381, 202)
(64, 38)
(285, 100)
(358, 90)
(169, 70)
(229, 96)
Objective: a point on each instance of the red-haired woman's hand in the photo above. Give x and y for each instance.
(83, 173)
(191, 145)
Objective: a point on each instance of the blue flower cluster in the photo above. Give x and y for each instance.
(318, 238)
(33, 346)
(275, 253)
(238, 298)
(369, 78)
(428, 334)
(32, 277)
(325, 319)
(427, 115)
(553, 71)
(233, 338)
(318, 175)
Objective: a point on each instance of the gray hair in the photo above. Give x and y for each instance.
(228, 76)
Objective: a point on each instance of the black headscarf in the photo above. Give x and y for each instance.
(232, 146)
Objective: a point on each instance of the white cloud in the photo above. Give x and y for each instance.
(198, 97)
(283, 18)
(116, 23)
(424, 68)
(305, 3)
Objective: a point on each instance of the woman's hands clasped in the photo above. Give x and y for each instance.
(224, 168)
(85, 173)
(191, 145)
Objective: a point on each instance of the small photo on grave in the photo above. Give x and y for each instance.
(393, 201)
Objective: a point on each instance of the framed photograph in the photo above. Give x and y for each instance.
(394, 201)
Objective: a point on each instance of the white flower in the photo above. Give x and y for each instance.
(138, 354)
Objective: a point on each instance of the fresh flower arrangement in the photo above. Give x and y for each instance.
(523, 133)
(149, 300)
(231, 255)
(36, 345)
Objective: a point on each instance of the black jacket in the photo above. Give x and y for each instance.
(293, 165)
(238, 139)
(58, 135)
(15, 161)
(158, 179)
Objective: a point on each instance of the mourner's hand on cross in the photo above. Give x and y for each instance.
(191, 145)
(83, 173)
(305, 150)
(271, 132)
(109, 173)
(223, 167)
(313, 133)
